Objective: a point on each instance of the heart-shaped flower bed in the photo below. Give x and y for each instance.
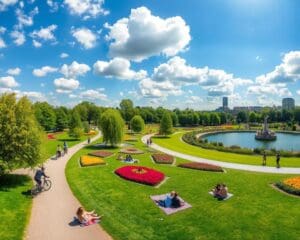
(131, 151)
(141, 174)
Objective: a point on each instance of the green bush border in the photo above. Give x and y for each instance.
(288, 188)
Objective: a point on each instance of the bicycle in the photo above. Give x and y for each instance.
(46, 185)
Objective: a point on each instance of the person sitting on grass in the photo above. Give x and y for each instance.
(128, 158)
(176, 202)
(170, 201)
(86, 217)
(220, 191)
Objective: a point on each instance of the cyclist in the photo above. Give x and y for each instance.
(38, 177)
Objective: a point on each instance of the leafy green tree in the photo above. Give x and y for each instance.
(45, 115)
(174, 118)
(252, 117)
(82, 109)
(241, 117)
(112, 127)
(137, 123)
(166, 124)
(215, 119)
(20, 134)
(75, 125)
(127, 110)
(61, 119)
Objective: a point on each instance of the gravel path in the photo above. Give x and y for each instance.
(245, 167)
(53, 211)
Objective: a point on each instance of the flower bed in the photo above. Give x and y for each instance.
(101, 154)
(50, 136)
(141, 174)
(131, 151)
(91, 161)
(91, 132)
(163, 158)
(290, 185)
(201, 166)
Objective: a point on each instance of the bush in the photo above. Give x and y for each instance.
(76, 133)
(290, 185)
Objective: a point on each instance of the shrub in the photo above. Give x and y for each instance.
(201, 166)
(91, 161)
(163, 158)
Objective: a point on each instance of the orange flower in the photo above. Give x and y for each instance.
(293, 182)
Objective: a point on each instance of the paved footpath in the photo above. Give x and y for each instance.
(245, 167)
(52, 211)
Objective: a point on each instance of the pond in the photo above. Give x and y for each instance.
(284, 141)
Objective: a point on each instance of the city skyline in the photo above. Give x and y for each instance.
(156, 54)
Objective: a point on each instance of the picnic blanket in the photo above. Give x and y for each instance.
(229, 195)
(169, 211)
(132, 161)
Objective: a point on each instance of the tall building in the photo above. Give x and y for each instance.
(288, 103)
(225, 103)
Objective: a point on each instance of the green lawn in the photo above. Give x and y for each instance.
(15, 206)
(175, 143)
(256, 211)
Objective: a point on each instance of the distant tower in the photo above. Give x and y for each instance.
(288, 103)
(225, 103)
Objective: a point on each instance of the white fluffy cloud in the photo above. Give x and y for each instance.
(4, 4)
(64, 85)
(19, 37)
(42, 72)
(8, 82)
(298, 92)
(270, 89)
(14, 71)
(118, 68)
(74, 70)
(34, 96)
(93, 95)
(64, 55)
(287, 71)
(142, 35)
(53, 5)
(44, 34)
(85, 37)
(2, 43)
(26, 20)
(153, 89)
(86, 8)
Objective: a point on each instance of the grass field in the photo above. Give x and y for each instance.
(175, 143)
(256, 211)
(15, 206)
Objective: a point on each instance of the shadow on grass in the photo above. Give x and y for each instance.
(161, 136)
(8, 181)
(100, 146)
(68, 140)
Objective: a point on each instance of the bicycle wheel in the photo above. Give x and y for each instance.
(47, 185)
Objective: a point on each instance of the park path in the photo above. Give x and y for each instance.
(54, 210)
(245, 167)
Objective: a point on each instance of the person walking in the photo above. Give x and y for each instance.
(65, 147)
(264, 162)
(89, 140)
(278, 159)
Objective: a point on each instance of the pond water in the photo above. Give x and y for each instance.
(284, 141)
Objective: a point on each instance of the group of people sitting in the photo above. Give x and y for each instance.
(220, 191)
(171, 201)
(128, 158)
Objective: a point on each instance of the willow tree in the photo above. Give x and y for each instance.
(20, 134)
(75, 125)
(112, 127)
(166, 124)
(137, 123)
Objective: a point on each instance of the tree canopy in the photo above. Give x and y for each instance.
(45, 115)
(112, 126)
(75, 125)
(166, 124)
(20, 134)
(137, 123)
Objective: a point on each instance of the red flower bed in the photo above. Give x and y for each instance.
(163, 158)
(101, 154)
(140, 174)
(50, 136)
(201, 166)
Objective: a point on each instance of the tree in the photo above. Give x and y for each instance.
(61, 119)
(252, 117)
(127, 109)
(166, 125)
(241, 117)
(137, 123)
(45, 115)
(75, 125)
(112, 126)
(215, 119)
(20, 134)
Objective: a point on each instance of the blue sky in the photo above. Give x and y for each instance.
(159, 53)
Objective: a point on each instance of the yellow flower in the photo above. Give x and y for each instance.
(90, 161)
(293, 182)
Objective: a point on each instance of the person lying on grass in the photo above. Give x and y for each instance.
(86, 217)
(171, 201)
(220, 191)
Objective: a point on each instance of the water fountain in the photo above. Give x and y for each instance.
(265, 134)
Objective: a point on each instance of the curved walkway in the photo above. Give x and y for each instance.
(245, 167)
(53, 211)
